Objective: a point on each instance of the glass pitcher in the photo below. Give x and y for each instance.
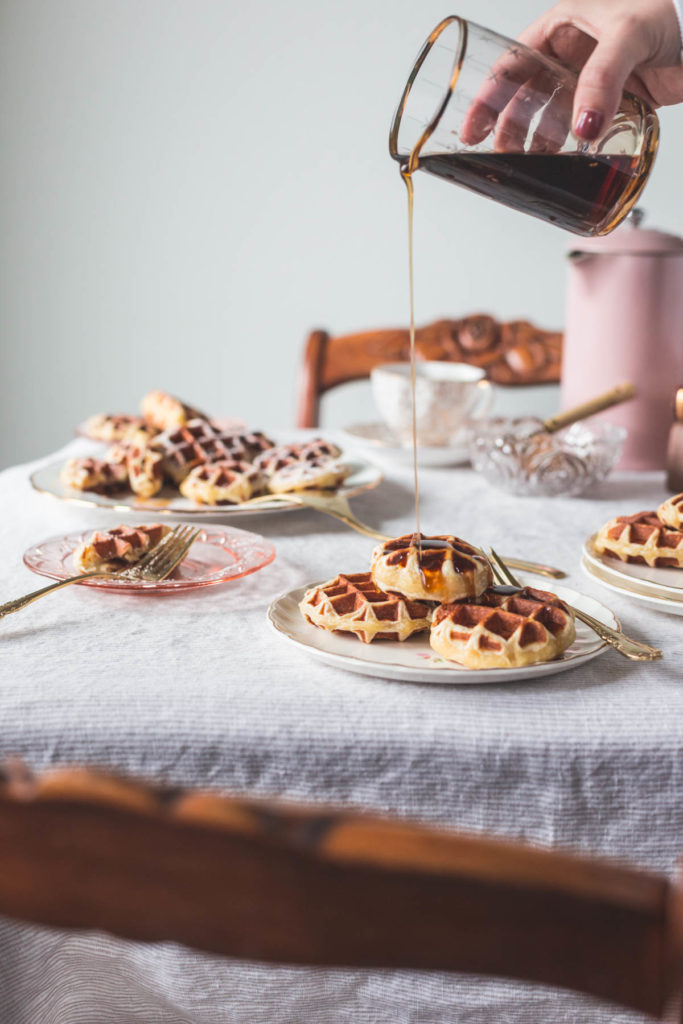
(494, 116)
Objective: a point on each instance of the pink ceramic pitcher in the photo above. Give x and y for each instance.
(625, 322)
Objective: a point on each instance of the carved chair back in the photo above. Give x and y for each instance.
(512, 353)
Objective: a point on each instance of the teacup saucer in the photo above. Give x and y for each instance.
(386, 446)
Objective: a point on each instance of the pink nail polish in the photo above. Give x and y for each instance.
(589, 124)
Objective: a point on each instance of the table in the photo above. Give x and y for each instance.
(195, 689)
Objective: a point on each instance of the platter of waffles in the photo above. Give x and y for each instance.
(218, 555)
(484, 635)
(174, 459)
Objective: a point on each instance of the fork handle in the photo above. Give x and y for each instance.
(20, 602)
(632, 649)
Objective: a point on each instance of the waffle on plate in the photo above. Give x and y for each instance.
(172, 443)
(482, 626)
(501, 630)
(118, 548)
(443, 568)
(671, 512)
(643, 539)
(352, 603)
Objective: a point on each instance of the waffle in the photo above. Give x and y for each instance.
(310, 474)
(228, 482)
(449, 568)
(116, 427)
(642, 539)
(99, 475)
(354, 604)
(671, 512)
(115, 549)
(498, 630)
(195, 444)
(145, 470)
(281, 455)
(164, 412)
(254, 442)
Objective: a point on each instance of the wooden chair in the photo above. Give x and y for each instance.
(320, 886)
(511, 353)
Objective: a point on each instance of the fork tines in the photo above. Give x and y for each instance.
(501, 570)
(161, 561)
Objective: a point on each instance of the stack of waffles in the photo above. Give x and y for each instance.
(174, 444)
(443, 585)
(653, 538)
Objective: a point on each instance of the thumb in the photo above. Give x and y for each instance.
(601, 82)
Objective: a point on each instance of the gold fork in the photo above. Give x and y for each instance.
(156, 565)
(337, 506)
(333, 504)
(630, 648)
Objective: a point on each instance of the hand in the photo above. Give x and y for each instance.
(615, 45)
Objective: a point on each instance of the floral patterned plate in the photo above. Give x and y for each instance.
(414, 661)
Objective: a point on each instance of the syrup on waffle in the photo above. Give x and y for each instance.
(164, 412)
(98, 475)
(642, 539)
(502, 630)
(671, 512)
(116, 549)
(352, 603)
(440, 569)
(195, 444)
(227, 482)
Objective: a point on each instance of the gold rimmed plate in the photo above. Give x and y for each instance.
(364, 476)
(660, 589)
(414, 661)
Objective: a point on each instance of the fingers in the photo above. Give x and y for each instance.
(601, 82)
(541, 93)
(554, 124)
(512, 94)
(505, 78)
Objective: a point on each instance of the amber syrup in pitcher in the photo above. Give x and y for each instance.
(574, 191)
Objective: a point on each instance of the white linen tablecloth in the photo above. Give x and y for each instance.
(195, 689)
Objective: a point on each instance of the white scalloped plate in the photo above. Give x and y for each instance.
(414, 661)
(661, 589)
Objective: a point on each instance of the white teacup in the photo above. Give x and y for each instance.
(446, 396)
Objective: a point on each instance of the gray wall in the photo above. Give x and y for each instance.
(187, 186)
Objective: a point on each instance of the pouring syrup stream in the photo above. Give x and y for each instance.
(407, 175)
(407, 169)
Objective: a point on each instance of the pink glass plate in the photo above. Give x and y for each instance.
(218, 555)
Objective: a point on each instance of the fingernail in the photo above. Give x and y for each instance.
(589, 125)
